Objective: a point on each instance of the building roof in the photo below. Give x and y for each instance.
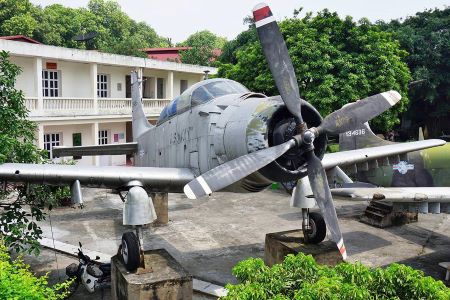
(20, 38)
(87, 56)
(171, 49)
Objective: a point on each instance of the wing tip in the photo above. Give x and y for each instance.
(188, 192)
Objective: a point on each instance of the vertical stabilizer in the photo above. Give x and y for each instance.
(139, 121)
(361, 137)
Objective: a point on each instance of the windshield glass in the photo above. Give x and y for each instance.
(200, 93)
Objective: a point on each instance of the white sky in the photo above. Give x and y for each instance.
(178, 19)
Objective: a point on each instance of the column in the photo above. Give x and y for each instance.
(40, 136)
(155, 82)
(140, 73)
(169, 87)
(93, 77)
(38, 83)
(94, 133)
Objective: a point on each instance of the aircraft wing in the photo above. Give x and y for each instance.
(396, 194)
(382, 155)
(108, 149)
(115, 177)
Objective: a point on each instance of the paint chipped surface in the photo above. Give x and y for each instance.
(258, 126)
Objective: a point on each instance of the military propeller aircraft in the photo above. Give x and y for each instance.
(218, 135)
(425, 168)
(418, 182)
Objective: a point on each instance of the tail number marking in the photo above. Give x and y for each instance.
(355, 132)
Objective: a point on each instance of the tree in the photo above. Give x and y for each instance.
(17, 17)
(17, 135)
(231, 48)
(202, 43)
(426, 36)
(336, 61)
(57, 25)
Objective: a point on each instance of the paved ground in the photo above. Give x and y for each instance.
(208, 237)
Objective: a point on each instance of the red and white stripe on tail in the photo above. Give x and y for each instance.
(262, 15)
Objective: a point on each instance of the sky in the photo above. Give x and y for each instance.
(177, 19)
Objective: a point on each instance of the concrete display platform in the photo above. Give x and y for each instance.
(163, 278)
(280, 244)
(209, 236)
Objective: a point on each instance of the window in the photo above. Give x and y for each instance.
(160, 88)
(76, 141)
(183, 85)
(51, 83)
(201, 95)
(103, 137)
(102, 85)
(51, 140)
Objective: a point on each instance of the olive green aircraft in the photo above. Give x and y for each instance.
(417, 182)
(424, 168)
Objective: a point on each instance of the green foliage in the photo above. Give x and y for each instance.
(336, 61)
(57, 25)
(426, 36)
(332, 148)
(300, 277)
(17, 281)
(203, 44)
(17, 134)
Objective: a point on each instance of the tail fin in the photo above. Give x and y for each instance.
(140, 123)
(361, 137)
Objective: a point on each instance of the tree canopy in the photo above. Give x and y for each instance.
(336, 61)
(202, 43)
(57, 25)
(426, 37)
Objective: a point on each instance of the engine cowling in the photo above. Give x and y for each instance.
(258, 123)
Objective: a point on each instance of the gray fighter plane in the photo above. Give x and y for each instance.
(218, 135)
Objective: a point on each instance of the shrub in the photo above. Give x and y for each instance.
(300, 277)
(17, 281)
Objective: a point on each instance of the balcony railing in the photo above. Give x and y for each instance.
(65, 106)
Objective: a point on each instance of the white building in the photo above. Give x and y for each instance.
(81, 97)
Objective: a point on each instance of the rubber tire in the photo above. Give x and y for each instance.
(132, 244)
(319, 229)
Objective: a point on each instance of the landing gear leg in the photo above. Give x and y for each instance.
(313, 227)
(140, 237)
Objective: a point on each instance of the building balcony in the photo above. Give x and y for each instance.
(70, 107)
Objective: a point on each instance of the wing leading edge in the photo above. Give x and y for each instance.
(116, 177)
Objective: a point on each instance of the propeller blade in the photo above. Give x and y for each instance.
(234, 170)
(277, 56)
(319, 185)
(356, 113)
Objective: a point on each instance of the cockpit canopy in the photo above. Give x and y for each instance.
(201, 92)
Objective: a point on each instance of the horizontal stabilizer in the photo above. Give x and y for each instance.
(109, 149)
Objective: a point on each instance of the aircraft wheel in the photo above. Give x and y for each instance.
(318, 229)
(130, 251)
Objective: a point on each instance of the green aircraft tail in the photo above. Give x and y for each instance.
(361, 137)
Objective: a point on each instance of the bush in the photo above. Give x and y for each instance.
(300, 277)
(17, 281)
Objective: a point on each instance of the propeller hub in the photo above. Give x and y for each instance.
(308, 137)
